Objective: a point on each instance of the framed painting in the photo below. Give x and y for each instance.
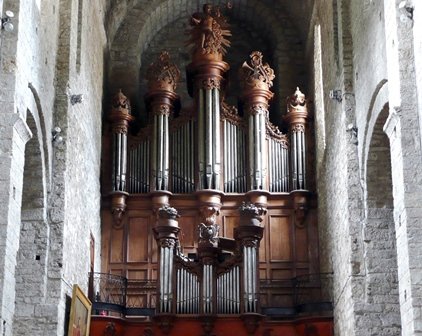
(80, 313)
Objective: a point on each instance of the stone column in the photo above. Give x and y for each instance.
(120, 118)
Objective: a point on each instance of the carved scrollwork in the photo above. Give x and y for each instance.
(209, 31)
(256, 73)
(274, 132)
(167, 212)
(162, 73)
(208, 233)
(209, 83)
(230, 113)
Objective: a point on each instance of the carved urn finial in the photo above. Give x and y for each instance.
(256, 74)
(163, 74)
(209, 33)
(297, 102)
(120, 116)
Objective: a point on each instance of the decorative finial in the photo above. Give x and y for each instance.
(163, 74)
(209, 31)
(120, 103)
(296, 102)
(168, 212)
(256, 74)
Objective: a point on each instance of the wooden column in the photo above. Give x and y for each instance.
(120, 118)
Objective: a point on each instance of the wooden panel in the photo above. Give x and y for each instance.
(229, 223)
(301, 244)
(279, 238)
(137, 245)
(116, 246)
(188, 230)
(137, 274)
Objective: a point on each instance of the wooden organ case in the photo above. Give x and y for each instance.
(209, 224)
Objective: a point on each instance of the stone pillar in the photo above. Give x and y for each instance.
(256, 80)
(405, 137)
(162, 82)
(120, 118)
(297, 113)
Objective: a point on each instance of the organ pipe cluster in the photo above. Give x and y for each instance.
(162, 82)
(256, 79)
(297, 114)
(166, 233)
(120, 118)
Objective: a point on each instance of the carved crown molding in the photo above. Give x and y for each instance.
(163, 74)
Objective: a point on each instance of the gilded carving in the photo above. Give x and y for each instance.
(256, 74)
(258, 109)
(209, 31)
(163, 74)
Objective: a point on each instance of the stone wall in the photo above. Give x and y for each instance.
(44, 244)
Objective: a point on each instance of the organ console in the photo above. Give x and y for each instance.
(223, 196)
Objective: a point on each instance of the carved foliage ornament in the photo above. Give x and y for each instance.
(258, 109)
(297, 102)
(167, 212)
(256, 73)
(167, 242)
(208, 233)
(251, 210)
(209, 31)
(163, 73)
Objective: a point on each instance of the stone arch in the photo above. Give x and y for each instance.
(129, 44)
(380, 255)
(32, 257)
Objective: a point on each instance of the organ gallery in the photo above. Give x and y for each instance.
(208, 219)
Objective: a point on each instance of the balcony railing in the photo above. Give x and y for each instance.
(306, 294)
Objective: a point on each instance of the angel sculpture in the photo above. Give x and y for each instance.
(209, 30)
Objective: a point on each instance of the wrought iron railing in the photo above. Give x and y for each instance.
(113, 294)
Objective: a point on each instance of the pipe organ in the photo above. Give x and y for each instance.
(209, 204)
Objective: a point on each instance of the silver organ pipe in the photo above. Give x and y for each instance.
(228, 291)
(139, 159)
(250, 279)
(182, 153)
(187, 294)
(278, 165)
